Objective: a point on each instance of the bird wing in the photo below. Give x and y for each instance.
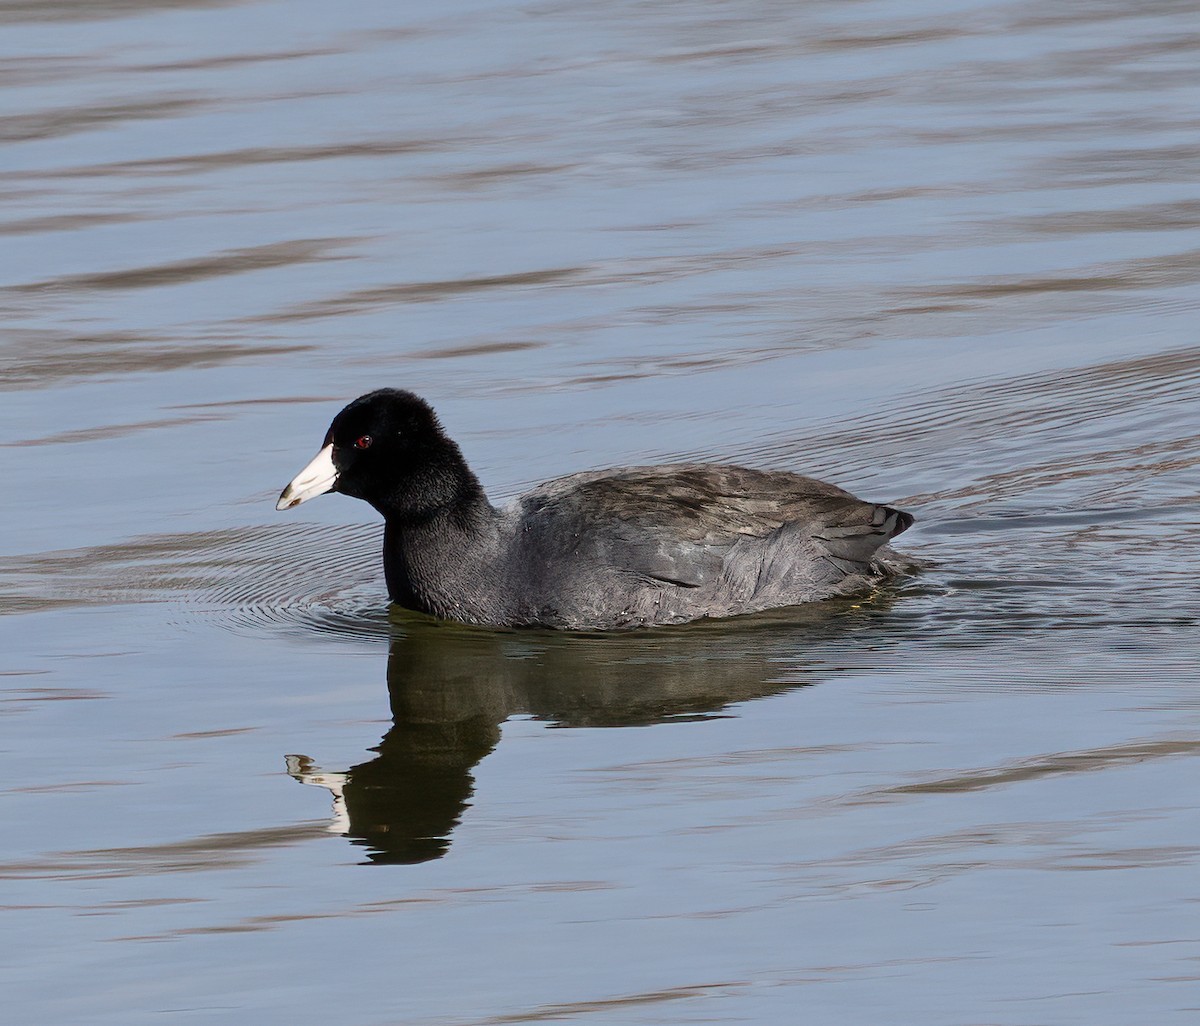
(676, 523)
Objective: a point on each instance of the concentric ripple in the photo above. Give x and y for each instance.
(298, 578)
(287, 580)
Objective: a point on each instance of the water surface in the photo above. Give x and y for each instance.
(945, 258)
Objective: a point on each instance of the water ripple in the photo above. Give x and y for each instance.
(299, 579)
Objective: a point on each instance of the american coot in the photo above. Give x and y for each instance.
(631, 547)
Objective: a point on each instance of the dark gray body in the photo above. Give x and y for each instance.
(642, 546)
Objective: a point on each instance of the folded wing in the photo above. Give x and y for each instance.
(698, 525)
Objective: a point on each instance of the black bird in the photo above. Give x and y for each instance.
(603, 550)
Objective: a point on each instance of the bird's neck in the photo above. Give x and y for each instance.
(444, 561)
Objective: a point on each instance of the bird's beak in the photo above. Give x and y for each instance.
(317, 478)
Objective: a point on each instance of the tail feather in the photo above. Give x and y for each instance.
(852, 546)
(902, 521)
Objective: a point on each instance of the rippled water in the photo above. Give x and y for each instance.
(947, 258)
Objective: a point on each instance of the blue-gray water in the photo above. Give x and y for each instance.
(946, 256)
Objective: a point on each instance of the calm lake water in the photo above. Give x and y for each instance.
(946, 256)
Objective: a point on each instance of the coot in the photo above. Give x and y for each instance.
(630, 547)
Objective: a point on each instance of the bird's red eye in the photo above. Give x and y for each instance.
(364, 442)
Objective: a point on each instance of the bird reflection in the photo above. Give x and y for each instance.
(451, 687)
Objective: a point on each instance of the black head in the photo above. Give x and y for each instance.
(388, 448)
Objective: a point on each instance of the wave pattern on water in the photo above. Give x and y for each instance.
(938, 251)
(299, 579)
(41, 359)
(1105, 434)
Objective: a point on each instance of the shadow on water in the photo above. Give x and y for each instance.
(452, 687)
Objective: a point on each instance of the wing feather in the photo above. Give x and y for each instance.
(676, 523)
